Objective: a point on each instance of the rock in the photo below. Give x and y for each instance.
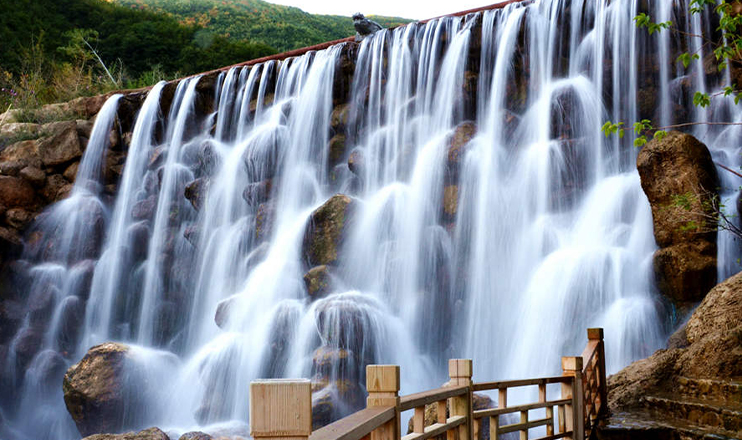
(625, 388)
(264, 220)
(71, 172)
(223, 309)
(680, 181)
(139, 235)
(195, 191)
(16, 193)
(55, 188)
(94, 390)
(34, 175)
(192, 234)
(146, 434)
(195, 435)
(11, 167)
(715, 332)
(450, 201)
(685, 271)
(145, 209)
(721, 311)
(84, 127)
(27, 343)
(10, 129)
(10, 244)
(340, 117)
(336, 148)
(25, 152)
(41, 302)
(462, 134)
(47, 370)
(326, 229)
(70, 327)
(356, 162)
(713, 351)
(318, 282)
(18, 218)
(207, 159)
(63, 146)
(323, 409)
(676, 165)
(258, 192)
(330, 363)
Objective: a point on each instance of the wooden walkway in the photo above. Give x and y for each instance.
(282, 409)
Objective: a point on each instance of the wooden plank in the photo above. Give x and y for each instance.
(441, 410)
(419, 419)
(524, 420)
(436, 429)
(556, 436)
(483, 386)
(589, 352)
(356, 426)
(280, 408)
(519, 426)
(426, 397)
(512, 409)
(494, 422)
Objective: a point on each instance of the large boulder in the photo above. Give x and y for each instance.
(146, 434)
(195, 191)
(21, 154)
(326, 229)
(95, 390)
(16, 193)
(680, 181)
(456, 148)
(318, 282)
(713, 351)
(62, 146)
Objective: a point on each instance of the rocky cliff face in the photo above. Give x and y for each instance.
(691, 390)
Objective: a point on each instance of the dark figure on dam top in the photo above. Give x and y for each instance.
(364, 26)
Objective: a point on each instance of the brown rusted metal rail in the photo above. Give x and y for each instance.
(282, 410)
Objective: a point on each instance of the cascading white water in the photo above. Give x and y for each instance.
(505, 247)
(69, 235)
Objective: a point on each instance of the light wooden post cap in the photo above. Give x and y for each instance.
(280, 408)
(595, 334)
(383, 379)
(572, 363)
(460, 368)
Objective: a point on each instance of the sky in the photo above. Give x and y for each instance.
(414, 9)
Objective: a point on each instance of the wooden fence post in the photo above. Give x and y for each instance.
(597, 334)
(460, 371)
(383, 385)
(281, 409)
(574, 413)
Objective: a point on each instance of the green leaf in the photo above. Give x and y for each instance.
(701, 99)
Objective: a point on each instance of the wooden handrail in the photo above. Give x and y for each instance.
(483, 386)
(355, 426)
(423, 398)
(478, 414)
(582, 402)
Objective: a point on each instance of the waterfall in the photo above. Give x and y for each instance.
(485, 215)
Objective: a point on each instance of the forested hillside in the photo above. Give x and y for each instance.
(49, 49)
(281, 27)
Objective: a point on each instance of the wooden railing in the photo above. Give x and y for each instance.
(282, 409)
